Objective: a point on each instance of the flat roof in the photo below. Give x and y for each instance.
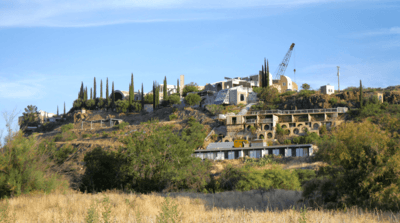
(253, 148)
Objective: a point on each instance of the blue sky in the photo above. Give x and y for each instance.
(48, 47)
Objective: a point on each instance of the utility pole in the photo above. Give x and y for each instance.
(338, 78)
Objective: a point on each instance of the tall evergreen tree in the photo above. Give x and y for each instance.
(154, 97)
(91, 95)
(177, 88)
(57, 111)
(107, 90)
(157, 94)
(113, 95)
(142, 97)
(85, 96)
(101, 89)
(262, 76)
(267, 75)
(64, 107)
(81, 93)
(94, 89)
(165, 88)
(361, 95)
(133, 88)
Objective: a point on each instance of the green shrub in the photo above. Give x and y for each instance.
(23, 168)
(305, 175)
(78, 103)
(192, 99)
(215, 109)
(136, 106)
(122, 105)
(63, 152)
(287, 142)
(121, 125)
(58, 137)
(90, 104)
(85, 135)
(305, 93)
(169, 212)
(174, 99)
(67, 127)
(69, 136)
(253, 129)
(189, 88)
(322, 130)
(288, 93)
(172, 117)
(283, 179)
(333, 101)
(105, 135)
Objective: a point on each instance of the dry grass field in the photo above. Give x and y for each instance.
(252, 206)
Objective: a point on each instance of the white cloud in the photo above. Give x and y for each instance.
(78, 13)
(381, 32)
(22, 88)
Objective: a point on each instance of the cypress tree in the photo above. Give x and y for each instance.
(154, 97)
(267, 75)
(94, 89)
(57, 111)
(361, 95)
(91, 94)
(101, 89)
(81, 93)
(113, 95)
(85, 96)
(133, 88)
(157, 94)
(262, 76)
(165, 88)
(142, 97)
(64, 107)
(107, 90)
(177, 87)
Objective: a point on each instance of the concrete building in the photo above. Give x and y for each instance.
(236, 95)
(297, 122)
(327, 89)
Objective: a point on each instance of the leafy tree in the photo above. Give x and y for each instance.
(23, 168)
(90, 104)
(305, 86)
(81, 92)
(85, 97)
(192, 99)
(189, 88)
(215, 109)
(148, 98)
(30, 115)
(174, 99)
(364, 167)
(269, 95)
(122, 105)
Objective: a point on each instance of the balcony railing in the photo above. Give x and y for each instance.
(249, 121)
(339, 109)
(266, 120)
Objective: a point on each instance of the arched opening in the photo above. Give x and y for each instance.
(241, 97)
(296, 131)
(316, 126)
(248, 128)
(219, 87)
(226, 140)
(287, 132)
(299, 125)
(304, 129)
(284, 126)
(118, 96)
(269, 135)
(261, 136)
(266, 127)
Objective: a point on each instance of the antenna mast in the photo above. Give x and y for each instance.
(338, 78)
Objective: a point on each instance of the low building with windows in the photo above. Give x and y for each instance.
(235, 96)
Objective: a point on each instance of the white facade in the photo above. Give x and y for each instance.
(327, 89)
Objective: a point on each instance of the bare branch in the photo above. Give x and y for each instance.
(9, 117)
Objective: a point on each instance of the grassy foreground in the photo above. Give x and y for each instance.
(184, 207)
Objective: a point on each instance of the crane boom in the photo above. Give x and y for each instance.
(285, 62)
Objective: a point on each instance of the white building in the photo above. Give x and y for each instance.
(327, 89)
